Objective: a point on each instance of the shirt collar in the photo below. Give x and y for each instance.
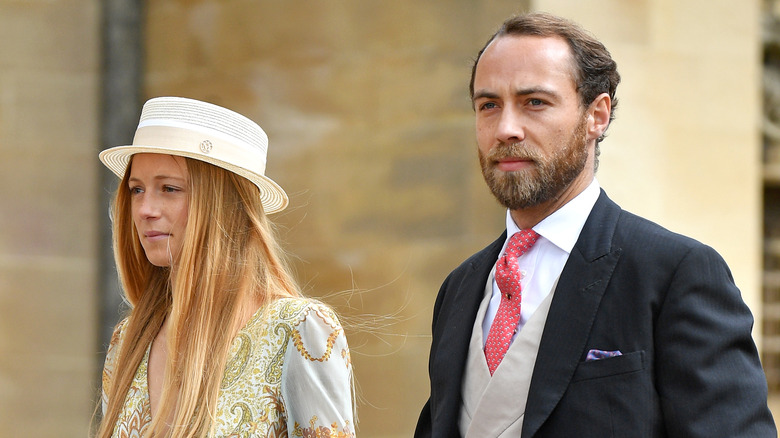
(562, 228)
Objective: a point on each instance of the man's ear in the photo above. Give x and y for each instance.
(598, 116)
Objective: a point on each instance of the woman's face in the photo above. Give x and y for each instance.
(159, 197)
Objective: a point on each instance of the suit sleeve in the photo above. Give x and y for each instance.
(423, 429)
(425, 421)
(709, 377)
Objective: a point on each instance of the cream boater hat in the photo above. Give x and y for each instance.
(205, 132)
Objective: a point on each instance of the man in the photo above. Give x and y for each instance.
(592, 322)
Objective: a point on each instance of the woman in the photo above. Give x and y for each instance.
(219, 341)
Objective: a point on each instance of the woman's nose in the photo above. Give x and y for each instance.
(148, 206)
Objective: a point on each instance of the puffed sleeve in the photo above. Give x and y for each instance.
(109, 367)
(317, 377)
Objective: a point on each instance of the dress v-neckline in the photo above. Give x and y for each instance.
(147, 399)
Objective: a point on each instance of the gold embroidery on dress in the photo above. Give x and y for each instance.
(298, 341)
(237, 363)
(322, 432)
(244, 422)
(273, 373)
(251, 401)
(347, 357)
(290, 309)
(137, 415)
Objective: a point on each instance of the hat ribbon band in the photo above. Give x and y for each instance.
(200, 145)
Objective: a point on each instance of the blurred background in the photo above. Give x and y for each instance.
(371, 133)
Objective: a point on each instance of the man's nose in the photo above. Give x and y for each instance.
(511, 128)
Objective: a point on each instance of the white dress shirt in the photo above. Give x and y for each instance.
(543, 263)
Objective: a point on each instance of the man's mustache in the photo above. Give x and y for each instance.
(513, 150)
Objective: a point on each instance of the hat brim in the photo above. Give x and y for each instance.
(272, 196)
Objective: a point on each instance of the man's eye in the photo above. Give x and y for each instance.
(487, 105)
(536, 102)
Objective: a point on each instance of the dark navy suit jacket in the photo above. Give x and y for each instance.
(689, 366)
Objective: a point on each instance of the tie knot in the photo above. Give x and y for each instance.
(521, 242)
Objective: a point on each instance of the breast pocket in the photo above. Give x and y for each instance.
(612, 366)
(612, 397)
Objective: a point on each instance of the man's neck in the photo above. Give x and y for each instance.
(528, 217)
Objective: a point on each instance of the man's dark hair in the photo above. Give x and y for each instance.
(595, 71)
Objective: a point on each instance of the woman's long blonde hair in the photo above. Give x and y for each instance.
(229, 262)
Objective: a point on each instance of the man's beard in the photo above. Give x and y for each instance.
(548, 178)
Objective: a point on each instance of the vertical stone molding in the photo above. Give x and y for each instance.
(121, 100)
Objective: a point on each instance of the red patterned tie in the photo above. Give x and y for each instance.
(508, 315)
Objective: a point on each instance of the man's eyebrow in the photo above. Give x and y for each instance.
(484, 94)
(536, 90)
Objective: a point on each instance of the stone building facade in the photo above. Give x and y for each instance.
(371, 133)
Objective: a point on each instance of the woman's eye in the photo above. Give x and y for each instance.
(170, 189)
(135, 190)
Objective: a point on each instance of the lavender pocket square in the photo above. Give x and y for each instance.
(601, 354)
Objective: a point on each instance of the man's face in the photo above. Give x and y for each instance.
(534, 146)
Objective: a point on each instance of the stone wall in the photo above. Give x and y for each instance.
(371, 133)
(685, 149)
(49, 65)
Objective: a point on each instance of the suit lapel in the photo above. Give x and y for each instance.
(452, 333)
(572, 312)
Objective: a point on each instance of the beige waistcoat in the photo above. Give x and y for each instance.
(494, 406)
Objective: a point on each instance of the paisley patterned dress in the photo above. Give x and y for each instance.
(288, 375)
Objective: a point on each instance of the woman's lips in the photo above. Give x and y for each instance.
(155, 235)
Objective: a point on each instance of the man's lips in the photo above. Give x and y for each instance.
(511, 164)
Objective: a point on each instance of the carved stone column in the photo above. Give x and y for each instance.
(121, 101)
(771, 134)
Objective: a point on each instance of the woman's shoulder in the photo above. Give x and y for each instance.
(112, 355)
(117, 337)
(296, 311)
(298, 322)
(285, 325)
